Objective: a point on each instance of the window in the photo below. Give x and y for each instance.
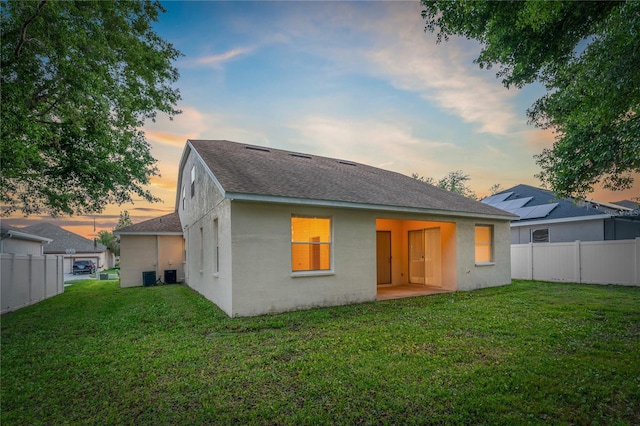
(540, 235)
(484, 243)
(193, 181)
(310, 243)
(201, 250)
(184, 197)
(216, 246)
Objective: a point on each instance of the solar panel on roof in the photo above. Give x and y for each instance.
(512, 205)
(493, 199)
(535, 212)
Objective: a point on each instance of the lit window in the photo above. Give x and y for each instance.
(310, 244)
(193, 181)
(484, 243)
(540, 236)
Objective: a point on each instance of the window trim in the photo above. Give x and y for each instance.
(313, 272)
(491, 244)
(539, 229)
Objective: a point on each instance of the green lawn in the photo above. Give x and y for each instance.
(532, 352)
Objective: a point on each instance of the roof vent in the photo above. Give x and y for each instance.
(293, 154)
(257, 148)
(348, 163)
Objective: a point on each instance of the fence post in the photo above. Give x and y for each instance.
(578, 262)
(530, 261)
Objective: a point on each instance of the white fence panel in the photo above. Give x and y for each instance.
(27, 279)
(554, 262)
(608, 262)
(594, 262)
(521, 262)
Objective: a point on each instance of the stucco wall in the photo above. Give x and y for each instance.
(472, 276)
(262, 279)
(588, 230)
(18, 246)
(141, 253)
(200, 213)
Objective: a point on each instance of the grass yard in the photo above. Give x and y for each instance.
(532, 352)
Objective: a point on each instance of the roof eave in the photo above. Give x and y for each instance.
(29, 237)
(362, 206)
(519, 223)
(148, 233)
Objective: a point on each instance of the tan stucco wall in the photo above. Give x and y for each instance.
(18, 246)
(262, 277)
(140, 253)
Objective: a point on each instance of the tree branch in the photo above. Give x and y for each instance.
(23, 30)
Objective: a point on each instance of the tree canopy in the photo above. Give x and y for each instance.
(587, 55)
(79, 79)
(455, 182)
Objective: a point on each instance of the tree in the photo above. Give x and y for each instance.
(495, 189)
(124, 220)
(79, 79)
(112, 242)
(453, 182)
(587, 55)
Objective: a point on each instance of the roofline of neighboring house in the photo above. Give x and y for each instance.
(517, 223)
(23, 235)
(359, 206)
(147, 233)
(610, 205)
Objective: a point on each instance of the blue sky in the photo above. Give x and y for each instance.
(360, 81)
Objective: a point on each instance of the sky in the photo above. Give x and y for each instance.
(359, 81)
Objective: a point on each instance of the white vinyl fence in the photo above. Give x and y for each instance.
(27, 279)
(593, 262)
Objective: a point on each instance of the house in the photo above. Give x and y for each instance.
(152, 248)
(27, 276)
(267, 230)
(71, 246)
(545, 218)
(14, 241)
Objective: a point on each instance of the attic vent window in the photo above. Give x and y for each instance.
(347, 163)
(257, 148)
(293, 154)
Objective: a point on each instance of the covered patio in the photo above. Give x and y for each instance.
(388, 292)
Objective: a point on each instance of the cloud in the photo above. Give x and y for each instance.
(216, 61)
(391, 145)
(389, 43)
(445, 74)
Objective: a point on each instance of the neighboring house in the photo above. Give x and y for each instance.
(72, 246)
(15, 241)
(544, 218)
(27, 276)
(152, 248)
(267, 230)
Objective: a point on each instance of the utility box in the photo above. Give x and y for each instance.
(148, 278)
(170, 276)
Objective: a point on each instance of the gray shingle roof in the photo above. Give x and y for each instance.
(566, 207)
(63, 239)
(169, 223)
(254, 170)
